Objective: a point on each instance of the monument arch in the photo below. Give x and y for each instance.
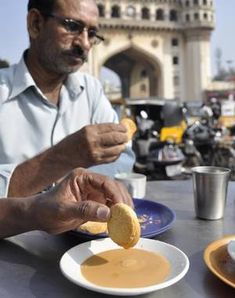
(158, 48)
(140, 72)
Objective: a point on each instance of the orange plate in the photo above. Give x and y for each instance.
(219, 262)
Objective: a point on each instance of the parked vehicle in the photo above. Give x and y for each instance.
(205, 144)
(156, 143)
(168, 143)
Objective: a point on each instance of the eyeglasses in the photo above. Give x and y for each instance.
(76, 27)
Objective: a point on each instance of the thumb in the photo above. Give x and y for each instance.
(91, 211)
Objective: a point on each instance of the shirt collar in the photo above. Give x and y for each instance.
(22, 80)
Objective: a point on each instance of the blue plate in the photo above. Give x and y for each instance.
(154, 219)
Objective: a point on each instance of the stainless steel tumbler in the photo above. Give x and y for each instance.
(210, 191)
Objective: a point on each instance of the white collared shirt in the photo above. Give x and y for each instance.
(29, 123)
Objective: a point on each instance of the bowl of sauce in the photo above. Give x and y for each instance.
(126, 268)
(103, 266)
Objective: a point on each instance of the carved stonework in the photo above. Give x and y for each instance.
(106, 41)
(160, 39)
(154, 43)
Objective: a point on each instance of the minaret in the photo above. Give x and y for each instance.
(198, 21)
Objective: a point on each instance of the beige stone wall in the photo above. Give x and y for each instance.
(149, 44)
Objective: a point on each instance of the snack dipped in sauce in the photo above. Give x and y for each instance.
(130, 126)
(123, 225)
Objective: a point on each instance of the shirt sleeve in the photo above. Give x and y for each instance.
(102, 111)
(6, 171)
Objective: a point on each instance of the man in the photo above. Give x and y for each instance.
(80, 197)
(52, 117)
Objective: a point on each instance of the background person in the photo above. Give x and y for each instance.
(81, 196)
(54, 118)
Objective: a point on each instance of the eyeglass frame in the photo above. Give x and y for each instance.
(64, 22)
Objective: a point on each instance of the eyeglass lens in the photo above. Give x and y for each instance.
(76, 27)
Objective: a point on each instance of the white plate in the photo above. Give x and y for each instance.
(73, 258)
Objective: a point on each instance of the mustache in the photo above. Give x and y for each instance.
(78, 52)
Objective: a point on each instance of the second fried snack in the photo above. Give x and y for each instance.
(94, 227)
(130, 126)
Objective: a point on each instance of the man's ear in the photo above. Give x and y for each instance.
(34, 23)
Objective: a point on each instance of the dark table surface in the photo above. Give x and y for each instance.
(29, 263)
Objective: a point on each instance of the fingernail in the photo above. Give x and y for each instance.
(103, 213)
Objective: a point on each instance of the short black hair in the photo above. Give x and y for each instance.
(42, 5)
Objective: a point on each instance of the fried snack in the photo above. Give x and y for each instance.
(130, 126)
(94, 227)
(123, 225)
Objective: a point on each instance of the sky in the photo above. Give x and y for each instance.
(13, 33)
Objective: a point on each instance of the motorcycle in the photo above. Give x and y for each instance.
(198, 144)
(205, 144)
(167, 146)
(155, 144)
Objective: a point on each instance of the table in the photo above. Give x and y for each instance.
(29, 263)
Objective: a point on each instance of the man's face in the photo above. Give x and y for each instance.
(58, 50)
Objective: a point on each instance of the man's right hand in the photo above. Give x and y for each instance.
(93, 145)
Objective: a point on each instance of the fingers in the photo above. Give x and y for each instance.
(107, 154)
(92, 186)
(103, 142)
(125, 194)
(111, 134)
(89, 211)
(104, 128)
(110, 127)
(113, 139)
(106, 134)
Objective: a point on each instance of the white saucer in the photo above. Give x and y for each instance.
(73, 258)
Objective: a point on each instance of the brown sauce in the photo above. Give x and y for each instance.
(126, 268)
